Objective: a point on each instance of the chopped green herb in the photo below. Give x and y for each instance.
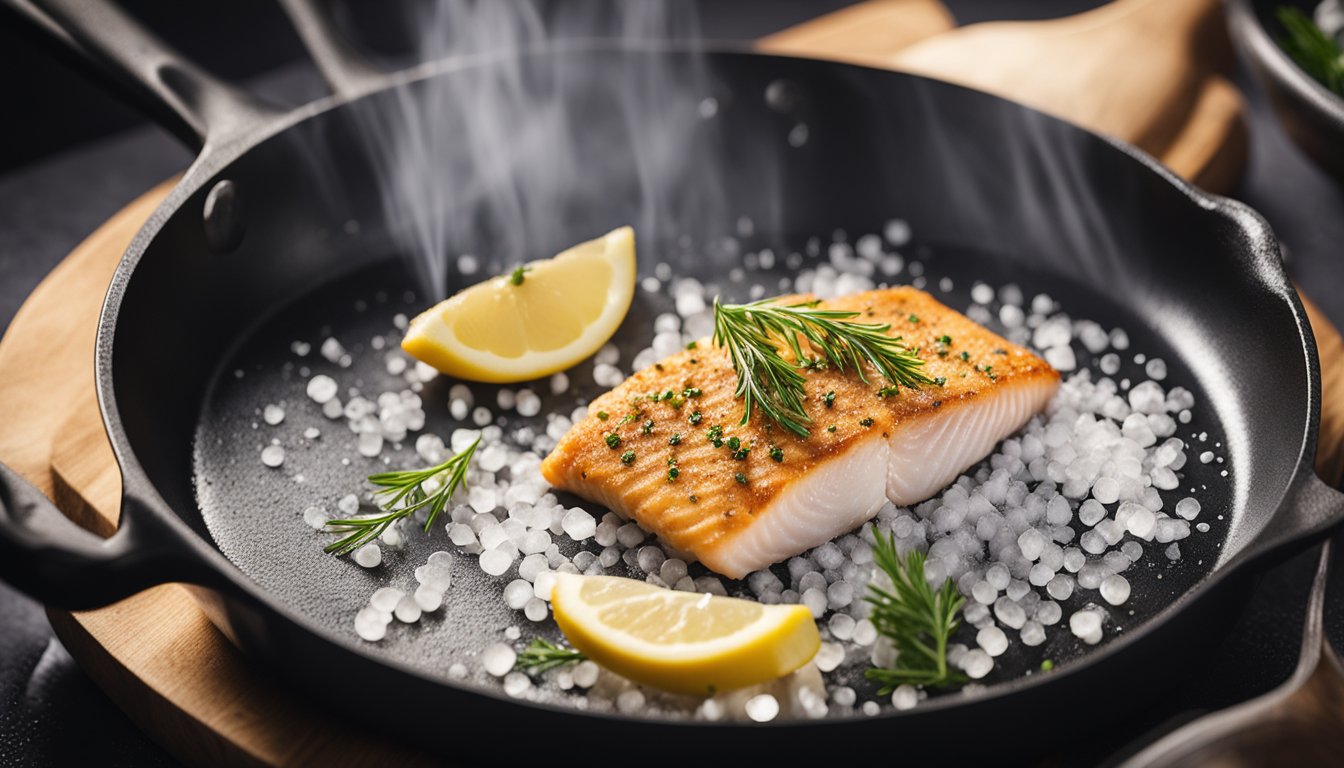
(692, 392)
(692, 344)
(628, 457)
(613, 440)
(734, 443)
(1047, 665)
(913, 318)
(867, 422)
(777, 453)
(945, 339)
(603, 415)
(693, 498)
(831, 428)
(829, 399)
(516, 277)
(887, 391)
(741, 478)
(673, 474)
(965, 356)
(813, 364)
(695, 417)
(629, 417)
(715, 435)
(648, 427)
(675, 439)
(940, 381)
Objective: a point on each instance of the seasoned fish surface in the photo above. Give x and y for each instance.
(666, 447)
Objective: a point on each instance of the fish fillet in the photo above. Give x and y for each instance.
(739, 511)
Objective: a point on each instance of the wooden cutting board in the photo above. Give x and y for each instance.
(182, 682)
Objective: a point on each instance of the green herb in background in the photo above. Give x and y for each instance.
(1313, 50)
(408, 486)
(917, 618)
(542, 655)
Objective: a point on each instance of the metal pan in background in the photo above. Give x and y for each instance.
(254, 245)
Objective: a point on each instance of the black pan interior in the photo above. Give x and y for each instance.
(993, 191)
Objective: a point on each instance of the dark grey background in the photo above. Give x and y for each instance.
(71, 157)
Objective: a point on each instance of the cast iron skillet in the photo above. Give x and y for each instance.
(255, 244)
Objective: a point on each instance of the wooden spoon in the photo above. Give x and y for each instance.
(863, 33)
(1144, 71)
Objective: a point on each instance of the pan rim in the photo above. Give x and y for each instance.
(233, 582)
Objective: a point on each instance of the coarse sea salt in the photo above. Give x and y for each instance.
(1037, 532)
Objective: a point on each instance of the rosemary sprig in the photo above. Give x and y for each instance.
(1312, 49)
(917, 618)
(401, 494)
(752, 334)
(541, 655)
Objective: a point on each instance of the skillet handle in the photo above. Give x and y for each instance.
(60, 564)
(186, 100)
(346, 71)
(1309, 512)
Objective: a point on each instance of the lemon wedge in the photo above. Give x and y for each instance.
(542, 318)
(681, 641)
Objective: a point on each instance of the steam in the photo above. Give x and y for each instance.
(532, 152)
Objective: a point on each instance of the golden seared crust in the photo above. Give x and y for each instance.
(706, 504)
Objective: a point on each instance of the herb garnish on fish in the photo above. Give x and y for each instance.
(753, 334)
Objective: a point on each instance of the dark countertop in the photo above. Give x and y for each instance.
(48, 206)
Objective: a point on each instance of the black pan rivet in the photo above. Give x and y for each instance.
(223, 217)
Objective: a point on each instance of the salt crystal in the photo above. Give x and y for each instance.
(1032, 634)
(495, 561)
(498, 659)
(1115, 589)
(1086, 625)
(369, 556)
(762, 708)
(428, 598)
(315, 517)
(864, 633)
(407, 610)
(578, 524)
(273, 456)
(829, 656)
(976, 664)
(516, 684)
(386, 598)
(992, 640)
(585, 674)
(1188, 508)
(517, 594)
(370, 444)
(535, 609)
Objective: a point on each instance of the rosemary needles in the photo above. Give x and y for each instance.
(541, 655)
(917, 618)
(400, 494)
(753, 334)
